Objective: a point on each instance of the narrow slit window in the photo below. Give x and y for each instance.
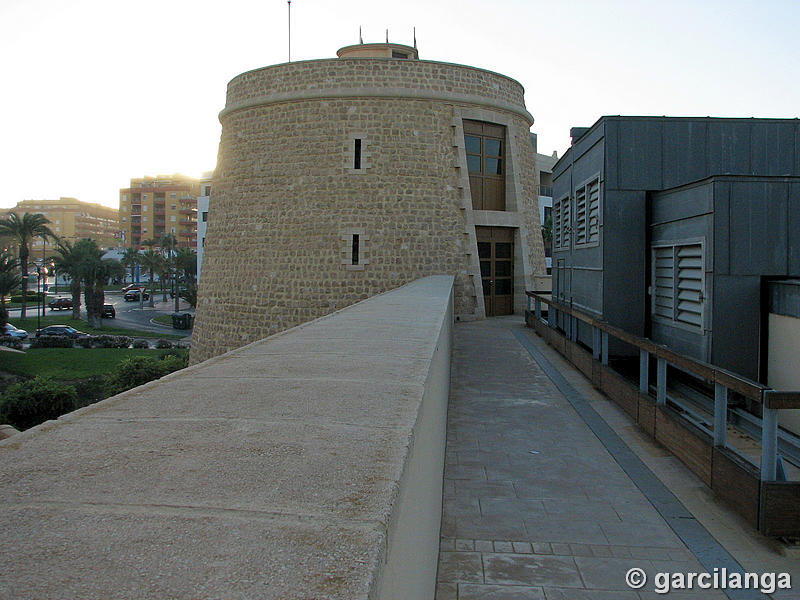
(354, 250)
(357, 154)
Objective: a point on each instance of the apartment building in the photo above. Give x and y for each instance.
(72, 220)
(153, 207)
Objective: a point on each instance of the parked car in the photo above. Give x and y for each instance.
(15, 332)
(132, 286)
(134, 295)
(62, 330)
(60, 303)
(108, 312)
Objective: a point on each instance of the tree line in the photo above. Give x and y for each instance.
(82, 262)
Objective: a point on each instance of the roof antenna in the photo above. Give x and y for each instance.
(289, 2)
(387, 36)
(360, 37)
(415, 38)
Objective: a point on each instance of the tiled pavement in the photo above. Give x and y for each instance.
(534, 505)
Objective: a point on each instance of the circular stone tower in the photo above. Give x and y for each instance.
(340, 179)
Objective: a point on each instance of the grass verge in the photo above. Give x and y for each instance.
(67, 364)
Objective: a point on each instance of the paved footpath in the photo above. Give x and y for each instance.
(535, 506)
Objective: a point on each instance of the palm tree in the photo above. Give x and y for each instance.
(9, 281)
(151, 260)
(22, 230)
(130, 259)
(95, 273)
(68, 260)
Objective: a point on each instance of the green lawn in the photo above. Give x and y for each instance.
(70, 363)
(29, 325)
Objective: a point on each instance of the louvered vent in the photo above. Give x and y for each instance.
(580, 216)
(593, 193)
(690, 284)
(556, 217)
(565, 223)
(663, 279)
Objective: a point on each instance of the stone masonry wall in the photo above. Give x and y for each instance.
(286, 199)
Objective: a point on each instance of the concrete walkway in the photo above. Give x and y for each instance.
(535, 506)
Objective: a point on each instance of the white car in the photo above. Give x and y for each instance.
(15, 332)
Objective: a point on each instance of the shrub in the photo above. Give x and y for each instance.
(86, 342)
(31, 295)
(163, 344)
(138, 370)
(52, 341)
(11, 342)
(114, 341)
(90, 390)
(142, 344)
(32, 402)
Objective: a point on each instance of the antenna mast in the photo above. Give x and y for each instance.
(289, 2)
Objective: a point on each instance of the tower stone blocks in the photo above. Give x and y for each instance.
(341, 179)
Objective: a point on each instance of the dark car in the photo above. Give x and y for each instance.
(61, 330)
(131, 287)
(134, 295)
(108, 312)
(60, 303)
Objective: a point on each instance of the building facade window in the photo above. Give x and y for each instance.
(357, 155)
(354, 255)
(484, 145)
(677, 284)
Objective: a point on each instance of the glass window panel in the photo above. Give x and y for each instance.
(502, 268)
(473, 163)
(502, 250)
(494, 166)
(486, 268)
(472, 144)
(484, 250)
(487, 287)
(502, 287)
(494, 147)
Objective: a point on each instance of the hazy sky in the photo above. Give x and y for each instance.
(94, 92)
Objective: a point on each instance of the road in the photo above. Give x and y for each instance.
(129, 314)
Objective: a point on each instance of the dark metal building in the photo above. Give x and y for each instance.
(670, 227)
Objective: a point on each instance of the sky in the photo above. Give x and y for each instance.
(96, 92)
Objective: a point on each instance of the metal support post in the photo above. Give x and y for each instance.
(596, 341)
(551, 316)
(538, 308)
(604, 344)
(720, 415)
(644, 371)
(528, 305)
(573, 328)
(661, 381)
(769, 443)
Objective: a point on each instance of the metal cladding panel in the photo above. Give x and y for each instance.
(587, 290)
(691, 343)
(680, 204)
(783, 297)
(625, 260)
(773, 148)
(611, 143)
(722, 231)
(736, 300)
(794, 230)
(639, 154)
(758, 228)
(684, 151)
(729, 147)
(589, 164)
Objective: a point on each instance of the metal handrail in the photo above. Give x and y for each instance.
(746, 387)
(771, 400)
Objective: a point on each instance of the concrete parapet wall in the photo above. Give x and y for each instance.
(306, 465)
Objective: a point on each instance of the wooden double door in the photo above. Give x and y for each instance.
(496, 255)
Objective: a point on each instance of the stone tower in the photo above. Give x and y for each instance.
(343, 178)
